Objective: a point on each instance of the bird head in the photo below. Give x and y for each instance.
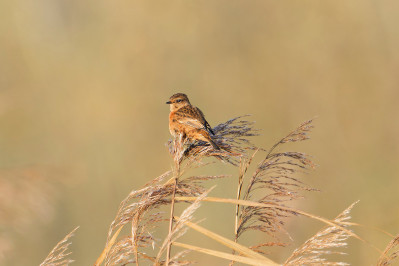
(177, 101)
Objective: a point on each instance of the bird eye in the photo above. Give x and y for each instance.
(179, 100)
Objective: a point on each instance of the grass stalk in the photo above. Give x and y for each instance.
(172, 209)
(223, 255)
(264, 212)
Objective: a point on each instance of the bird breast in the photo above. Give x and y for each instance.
(173, 124)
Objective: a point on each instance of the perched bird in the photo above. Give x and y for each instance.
(188, 120)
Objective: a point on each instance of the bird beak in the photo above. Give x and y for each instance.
(169, 102)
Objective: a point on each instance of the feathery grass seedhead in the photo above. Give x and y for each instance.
(391, 253)
(140, 209)
(137, 202)
(58, 256)
(231, 137)
(121, 253)
(261, 204)
(311, 252)
(275, 177)
(179, 227)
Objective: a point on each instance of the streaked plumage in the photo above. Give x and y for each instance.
(188, 120)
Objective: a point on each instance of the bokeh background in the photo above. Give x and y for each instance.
(83, 119)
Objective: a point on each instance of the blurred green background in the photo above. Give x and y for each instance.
(83, 119)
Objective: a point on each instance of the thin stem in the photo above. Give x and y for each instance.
(244, 164)
(237, 212)
(172, 209)
(243, 169)
(134, 236)
(239, 188)
(107, 247)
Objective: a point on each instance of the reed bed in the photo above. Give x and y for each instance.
(262, 204)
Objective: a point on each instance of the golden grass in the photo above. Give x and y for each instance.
(246, 260)
(58, 256)
(275, 176)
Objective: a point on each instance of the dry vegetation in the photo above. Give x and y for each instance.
(58, 256)
(262, 205)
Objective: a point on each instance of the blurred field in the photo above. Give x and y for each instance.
(83, 86)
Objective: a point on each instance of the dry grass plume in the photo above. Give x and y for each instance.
(262, 205)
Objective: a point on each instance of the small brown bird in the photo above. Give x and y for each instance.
(188, 120)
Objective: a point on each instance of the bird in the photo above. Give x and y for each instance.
(188, 120)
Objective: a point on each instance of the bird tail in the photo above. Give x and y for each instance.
(204, 136)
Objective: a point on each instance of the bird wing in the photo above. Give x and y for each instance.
(191, 122)
(190, 116)
(193, 117)
(203, 121)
